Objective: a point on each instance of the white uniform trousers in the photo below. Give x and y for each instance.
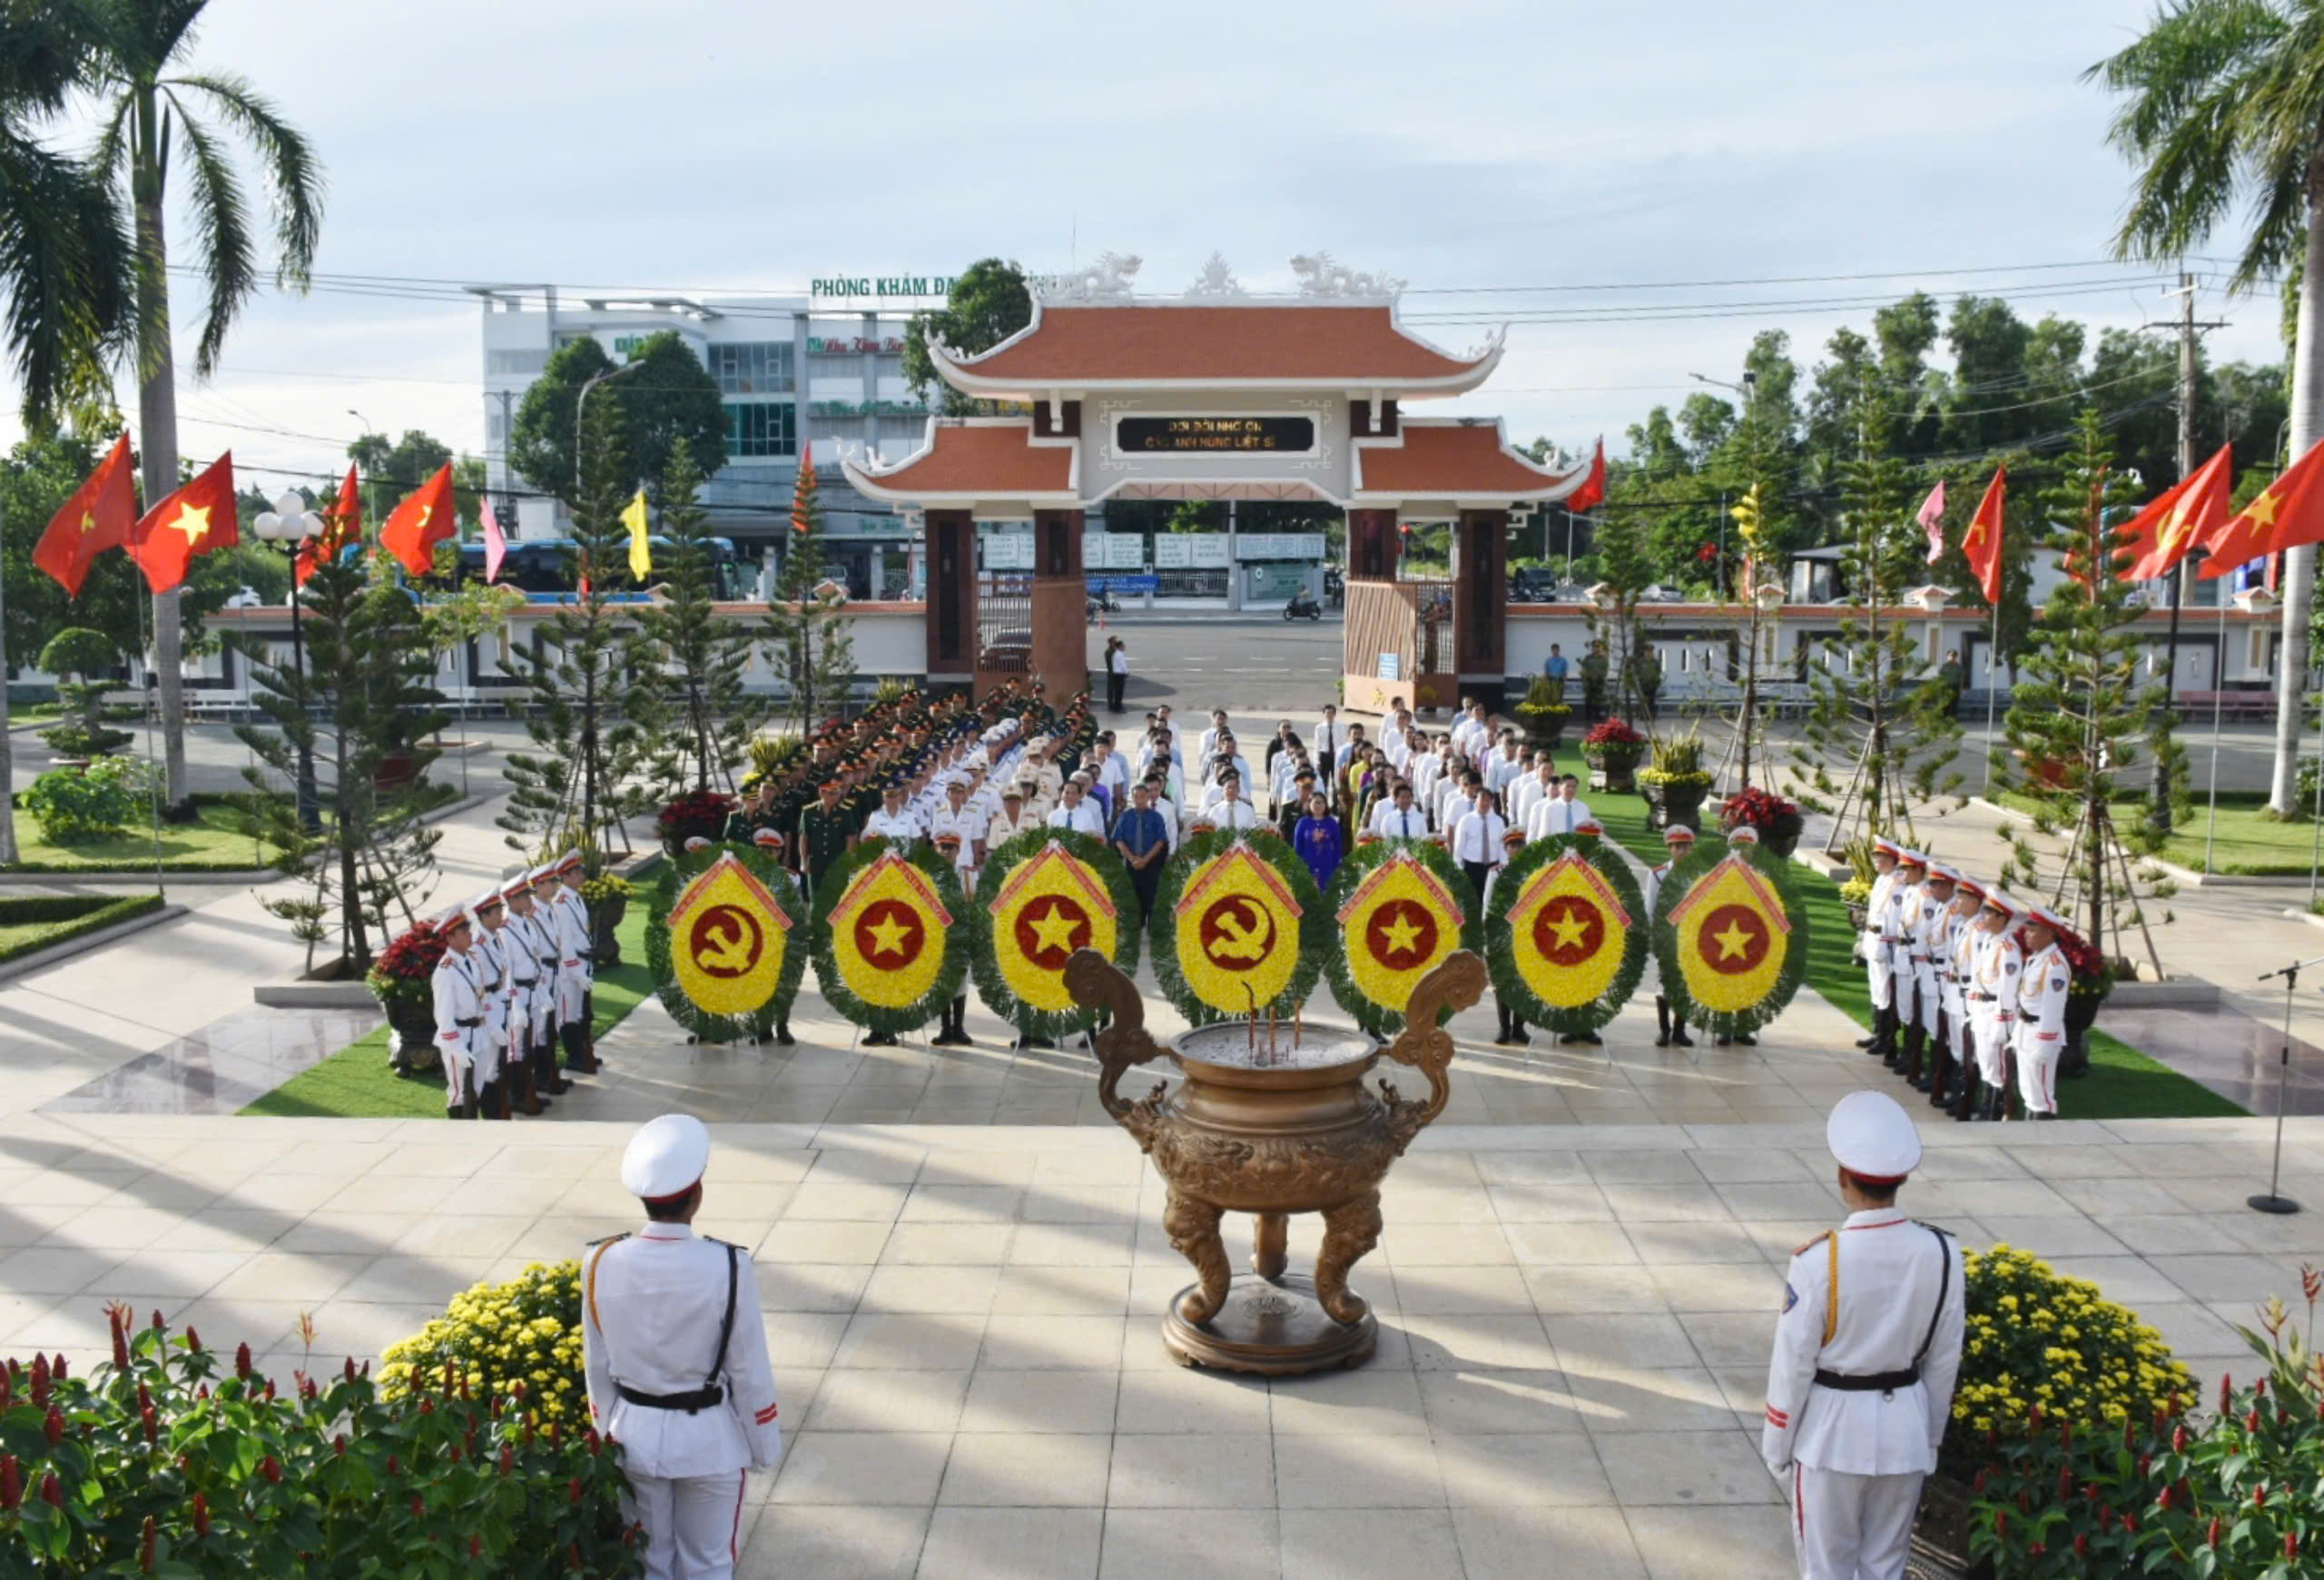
(2037, 1069)
(1993, 1035)
(1876, 970)
(694, 1524)
(1852, 1527)
(1924, 978)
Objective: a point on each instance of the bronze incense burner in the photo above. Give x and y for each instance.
(1272, 1121)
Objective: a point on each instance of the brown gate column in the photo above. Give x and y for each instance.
(952, 644)
(1480, 605)
(1061, 604)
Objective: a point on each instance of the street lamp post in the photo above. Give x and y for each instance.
(290, 524)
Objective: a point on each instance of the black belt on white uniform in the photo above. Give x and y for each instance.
(471, 1025)
(1884, 1382)
(710, 1394)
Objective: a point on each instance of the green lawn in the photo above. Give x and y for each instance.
(213, 842)
(36, 921)
(2123, 1083)
(2250, 845)
(356, 1083)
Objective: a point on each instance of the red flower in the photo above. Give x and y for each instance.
(2226, 1398)
(52, 1492)
(40, 1382)
(145, 1543)
(1613, 731)
(507, 1459)
(201, 1514)
(2211, 1539)
(2178, 1438)
(271, 1468)
(573, 1489)
(151, 1423)
(2081, 1545)
(12, 1484)
(413, 956)
(52, 1426)
(2291, 1544)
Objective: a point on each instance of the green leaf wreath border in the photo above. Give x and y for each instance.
(950, 972)
(1359, 864)
(1500, 943)
(677, 872)
(1682, 877)
(993, 985)
(1317, 937)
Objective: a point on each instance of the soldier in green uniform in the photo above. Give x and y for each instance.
(826, 832)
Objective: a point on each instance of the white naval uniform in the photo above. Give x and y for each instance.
(1945, 949)
(459, 1018)
(903, 827)
(1905, 901)
(1876, 940)
(2042, 990)
(568, 926)
(1650, 979)
(652, 1307)
(1921, 937)
(1993, 1002)
(1964, 953)
(969, 826)
(1857, 1458)
(491, 960)
(538, 971)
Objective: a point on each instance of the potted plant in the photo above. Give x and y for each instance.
(607, 896)
(1544, 711)
(2092, 982)
(399, 979)
(1675, 783)
(1778, 821)
(1855, 889)
(1613, 750)
(698, 813)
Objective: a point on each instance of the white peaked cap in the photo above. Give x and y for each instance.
(1873, 1138)
(666, 1158)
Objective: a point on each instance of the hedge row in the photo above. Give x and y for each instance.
(73, 915)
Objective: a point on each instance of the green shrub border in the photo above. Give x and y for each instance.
(73, 916)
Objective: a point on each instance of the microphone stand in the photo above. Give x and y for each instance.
(2274, 1200)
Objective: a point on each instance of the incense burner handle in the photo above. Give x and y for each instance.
(1097, 982)
(1457, 983)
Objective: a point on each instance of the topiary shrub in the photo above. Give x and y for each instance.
(84, 804)
(78, 651)
(170, 1459)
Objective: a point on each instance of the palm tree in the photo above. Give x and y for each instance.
(2225, 107)
(153, 115)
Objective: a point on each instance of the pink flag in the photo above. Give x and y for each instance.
(1932, 521)
(495, 546)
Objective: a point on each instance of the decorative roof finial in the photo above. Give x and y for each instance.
(1321, 274)
(1216, 280)
(1107, 280)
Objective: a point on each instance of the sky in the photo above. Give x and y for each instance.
(1612, 167)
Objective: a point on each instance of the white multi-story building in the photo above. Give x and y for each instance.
(824, 370)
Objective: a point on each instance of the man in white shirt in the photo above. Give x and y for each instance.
(1208, 744)
(1507, 766)
(1561, 814)
(1330, 736)
(1426, 766)
(1167, 805)
(1230, 811)
(1456, 798)
(892, 821)
(1400, 819)
(1476, 843)
(1076, 812)
(1527, 792)
(1217, 765)
(1110, 773)
(1471, 733)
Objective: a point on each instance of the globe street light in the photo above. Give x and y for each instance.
(290, 524)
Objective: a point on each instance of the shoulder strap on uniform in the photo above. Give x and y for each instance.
(727, 1324)
(1832, 1295)
(589, 1279)
(1944, 1288)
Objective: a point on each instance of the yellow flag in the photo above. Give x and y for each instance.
(641, 550)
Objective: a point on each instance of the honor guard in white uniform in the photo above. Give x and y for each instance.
(459, 1015)
(577, 972)
(489, 953)
(560, 980)
(1866, 1349)
(1875, 948)
(2042, 990)
(1680, 840)
(532, 960)
(674, 1349)
(1924, 940)
(1955, 1061)
(1903, 912)
(1993, 971)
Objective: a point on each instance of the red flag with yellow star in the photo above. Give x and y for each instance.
(1981, 542)
(197, 519)
(342, 524)
(424, 518)
(102, 514)
(2184, 516)
(2289, 513)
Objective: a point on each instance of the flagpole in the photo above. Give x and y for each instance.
(1993, 693)
(154, 801)
(2219, 711)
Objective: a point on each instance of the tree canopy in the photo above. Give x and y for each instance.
(663, 395)
(990, 303)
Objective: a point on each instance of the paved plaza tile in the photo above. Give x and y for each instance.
(964, 1320)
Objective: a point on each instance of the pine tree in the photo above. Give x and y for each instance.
(2079, 711)
(810, 642)
(362, 705)
(702, 654)
(586, 680)
(1626, 569)
(1874, 714)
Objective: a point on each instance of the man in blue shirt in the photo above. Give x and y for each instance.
(1144, 844)
(1553, 668)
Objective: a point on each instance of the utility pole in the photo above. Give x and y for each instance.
(508, 430)
(2159, 807)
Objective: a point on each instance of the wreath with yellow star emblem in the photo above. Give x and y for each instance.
(1044, 893)
(741, 966)
(1255, 933)
(1398, 909)
(890, 950)
(1731, 935)
(1566, 934)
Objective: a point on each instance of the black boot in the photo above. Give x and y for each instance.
(1964, 1098)
(1884, 1032)
(1661, 1021)
(493, 1103)
(580, 1056)
(1500, 1037)
(1940, 1064)
(1916, 1049)
(782, 1036)
(1517, 1034)
(588, 1031)
(1678, 1038)
(545, 1079)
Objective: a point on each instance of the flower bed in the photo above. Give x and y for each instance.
(400, 974)
(170, 1459)
(698, 814)
(1778, 821)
